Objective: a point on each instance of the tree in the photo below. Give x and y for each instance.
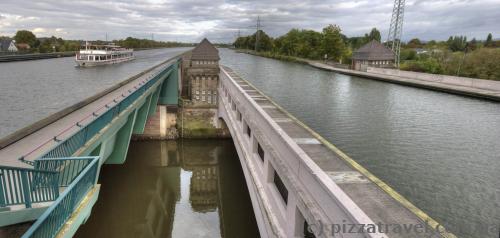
(414, 43)
(457, 43)
(265, 42)
(374, 35)
(24, 36)
(332, 44)
(472, 45)
(489, 41)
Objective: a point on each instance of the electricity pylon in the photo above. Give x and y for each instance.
(258, 27)
(396, 29)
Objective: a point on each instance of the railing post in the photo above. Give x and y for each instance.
(2, 197)
(26, 189)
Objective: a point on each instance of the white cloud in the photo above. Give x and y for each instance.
(190, 20)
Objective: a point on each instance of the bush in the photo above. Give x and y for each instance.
(429, 65)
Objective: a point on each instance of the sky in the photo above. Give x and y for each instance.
(220, 21)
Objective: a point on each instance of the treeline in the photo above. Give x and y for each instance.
(27, 42)
(309, 44)
(456, 56)
(136, 43)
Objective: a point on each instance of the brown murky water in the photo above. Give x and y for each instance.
(185, 188)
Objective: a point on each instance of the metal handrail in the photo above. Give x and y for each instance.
(80, 137)
(27, 186)
(54, 218)
(66, 147)
(67, 169)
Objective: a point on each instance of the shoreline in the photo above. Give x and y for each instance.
(491, 95)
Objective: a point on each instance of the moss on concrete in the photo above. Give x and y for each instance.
(200, 123)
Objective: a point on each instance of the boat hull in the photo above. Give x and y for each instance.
(90, 63)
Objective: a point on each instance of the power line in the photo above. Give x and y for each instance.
(396, 29)
(258, 27)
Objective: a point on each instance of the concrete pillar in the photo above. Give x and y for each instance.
(154, 100)
(120, 149)
(142, 116)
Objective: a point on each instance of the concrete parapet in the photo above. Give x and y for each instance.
(447, 79)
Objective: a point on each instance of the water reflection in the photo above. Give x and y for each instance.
(190, 188)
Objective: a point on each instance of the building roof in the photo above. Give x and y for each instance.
(205, 51)
(4, 44)
(374, 50)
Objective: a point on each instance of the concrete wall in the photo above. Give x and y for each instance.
(312, 195)
(452, 80)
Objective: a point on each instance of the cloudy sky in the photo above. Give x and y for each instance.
(219, 20)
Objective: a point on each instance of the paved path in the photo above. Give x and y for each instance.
(463, 90)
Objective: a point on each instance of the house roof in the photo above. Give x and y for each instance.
(374, 50)
(205, 51)
(4, 44)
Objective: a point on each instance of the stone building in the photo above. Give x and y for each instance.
(373, 54)
(201, 75)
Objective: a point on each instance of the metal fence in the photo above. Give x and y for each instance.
(26, 186)
(53, 219)
(71, 144)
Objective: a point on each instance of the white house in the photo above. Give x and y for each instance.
(7, 45)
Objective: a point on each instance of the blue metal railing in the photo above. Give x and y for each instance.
(55, 169)
(67, 169)
(26, 186)
(71, 144)
(53, 219)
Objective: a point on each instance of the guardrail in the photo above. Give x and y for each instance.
(68, 146)
(26, 186)
(67, 169)
(53, 219)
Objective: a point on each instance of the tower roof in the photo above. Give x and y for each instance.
(205, 51)
(374, 50)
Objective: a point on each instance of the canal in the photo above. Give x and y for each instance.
(184, 188)
(440, 151)
(32, 90)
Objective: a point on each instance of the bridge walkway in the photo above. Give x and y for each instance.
(375, 198)
(37, 143)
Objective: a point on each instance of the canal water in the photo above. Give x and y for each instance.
(184, 188)
(32, 90)
(440, 151)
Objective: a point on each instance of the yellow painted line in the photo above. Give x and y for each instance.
(385, 187)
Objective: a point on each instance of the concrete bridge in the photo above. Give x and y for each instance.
(300, 185)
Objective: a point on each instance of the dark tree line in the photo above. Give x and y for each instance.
(330, 42)
(55, 44)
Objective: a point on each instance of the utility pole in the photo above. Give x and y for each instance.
(257, 34)
(238, 35)
(463, 59)
(396, 29)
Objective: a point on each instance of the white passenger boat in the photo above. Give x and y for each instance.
(94, 55)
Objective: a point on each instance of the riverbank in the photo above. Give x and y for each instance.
(24, 57)
(451, 86)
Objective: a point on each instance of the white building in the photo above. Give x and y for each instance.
(7, 45)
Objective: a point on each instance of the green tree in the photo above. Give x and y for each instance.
(373, 35)
(24, 36)
(332, 43)
(489, 41)
(414, 43)
(457, 43)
